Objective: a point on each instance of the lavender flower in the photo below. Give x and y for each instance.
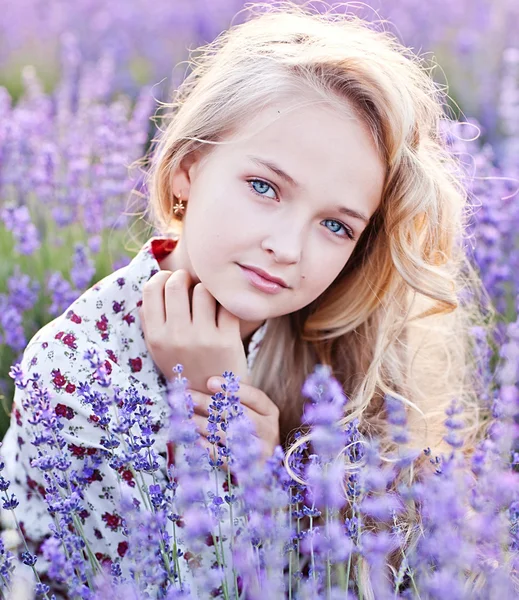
(12, 325)
(83, 268)
(61, 292)
(18, 220)
(23, 291)
(6, 566)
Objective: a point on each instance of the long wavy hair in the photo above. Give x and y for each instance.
(397, 320)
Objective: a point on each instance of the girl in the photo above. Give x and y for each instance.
(310, 213)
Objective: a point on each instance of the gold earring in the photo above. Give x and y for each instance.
(178, 208)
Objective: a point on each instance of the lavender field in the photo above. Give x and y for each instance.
(79, 84)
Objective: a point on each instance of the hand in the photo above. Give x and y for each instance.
(195, 336)
(257, 407)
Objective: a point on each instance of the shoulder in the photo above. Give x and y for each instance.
(104, 318)
(108, 305)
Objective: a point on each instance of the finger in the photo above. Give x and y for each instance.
(201, 402)
(176, 299)
(213, 453)
(152, 309)
(250, 397)
(202, 424)
(203, 308)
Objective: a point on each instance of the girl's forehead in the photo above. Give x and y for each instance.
(285, 115)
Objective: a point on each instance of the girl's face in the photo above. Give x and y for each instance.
(284, 218)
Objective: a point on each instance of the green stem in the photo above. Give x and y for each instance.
(348, 570)
(291, 551)
(143, 491)
(19, 529)
(298, 556)
(341, 575)
(328, 564)
(175, 547)
(163, 552)
(312, 557)
(235, 575)
(359, 579)
(224, 563)
(94, 563)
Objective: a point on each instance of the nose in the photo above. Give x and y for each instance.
(286, 243)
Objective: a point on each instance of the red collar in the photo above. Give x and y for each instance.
(161, 247)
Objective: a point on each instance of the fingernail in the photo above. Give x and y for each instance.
(214, 384)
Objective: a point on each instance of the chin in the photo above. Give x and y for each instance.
(245, 308)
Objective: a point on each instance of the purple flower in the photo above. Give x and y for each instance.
(18, 220)
(23, 292)
(383, 507)
(29, 559)
(324, 412)
(61, 293)
(6, 564)
(83, 268)
(12, 325)
(326, 485)
(10, 503)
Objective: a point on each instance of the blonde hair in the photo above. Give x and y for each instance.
(397, 319)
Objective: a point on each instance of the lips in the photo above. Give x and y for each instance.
(266, 275)
(261, 283)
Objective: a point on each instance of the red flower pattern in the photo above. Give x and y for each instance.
(117, 307)
(135, 364)
(122, 548)
(127, 475)
(104, 559)
(77, 451)
(64, 411)
(102, 324)
(74, 318)
(112, 356)
(57, 378)
(70, 341)
(129, 318)
(96, 476)
(113, 521)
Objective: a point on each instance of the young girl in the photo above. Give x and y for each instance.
(310, 213)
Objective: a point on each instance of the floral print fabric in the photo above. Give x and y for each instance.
(105, 318)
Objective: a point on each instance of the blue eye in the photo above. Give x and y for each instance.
(251, 182)
(348, 231)
(264, 183)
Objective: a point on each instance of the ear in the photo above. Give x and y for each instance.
(183, 175)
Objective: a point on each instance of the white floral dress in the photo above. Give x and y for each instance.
(105, 317)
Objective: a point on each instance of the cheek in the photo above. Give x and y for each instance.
(214, 238)
(320, 276)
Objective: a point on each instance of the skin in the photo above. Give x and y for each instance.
(240, 212)
(286, 231)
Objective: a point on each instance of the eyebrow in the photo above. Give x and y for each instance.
(291, 181)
